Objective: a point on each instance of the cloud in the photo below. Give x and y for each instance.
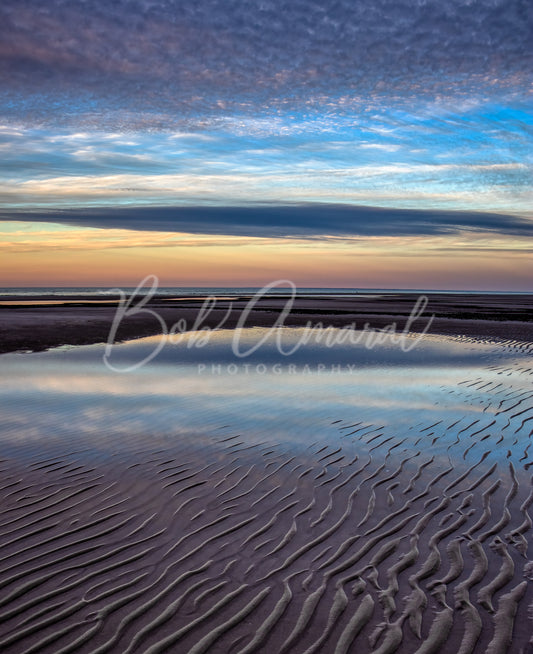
(136, 61)
(311, 220)
(18, 237)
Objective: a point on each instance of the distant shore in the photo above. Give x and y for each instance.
(36, 323)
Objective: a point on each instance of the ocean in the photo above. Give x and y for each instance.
(194, 291)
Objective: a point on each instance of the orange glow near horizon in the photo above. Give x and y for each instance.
(54, 255)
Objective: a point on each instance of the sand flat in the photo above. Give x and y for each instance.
(80, 320)
(386, 508)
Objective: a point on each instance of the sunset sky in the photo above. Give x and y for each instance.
(383, 143)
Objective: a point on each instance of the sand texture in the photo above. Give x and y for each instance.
(370, 539)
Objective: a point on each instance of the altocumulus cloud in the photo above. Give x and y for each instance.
(178, 59)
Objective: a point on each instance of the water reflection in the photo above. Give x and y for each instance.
(69, 393)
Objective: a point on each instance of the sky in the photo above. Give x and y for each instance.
(344, 143)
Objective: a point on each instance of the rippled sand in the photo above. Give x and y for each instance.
(386, 510)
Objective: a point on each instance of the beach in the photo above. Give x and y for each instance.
(370, 498)
(35, 323)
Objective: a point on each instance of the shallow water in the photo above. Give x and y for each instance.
(193, 386)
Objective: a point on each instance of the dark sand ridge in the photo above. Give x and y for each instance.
(81, 321)
(371, 543)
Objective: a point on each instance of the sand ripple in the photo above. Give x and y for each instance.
(367, 542)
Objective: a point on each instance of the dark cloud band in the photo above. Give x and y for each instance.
(296, 220)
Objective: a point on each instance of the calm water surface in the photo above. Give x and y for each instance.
(192, 388)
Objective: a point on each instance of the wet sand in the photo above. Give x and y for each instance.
(376, 536)
(85, 320)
